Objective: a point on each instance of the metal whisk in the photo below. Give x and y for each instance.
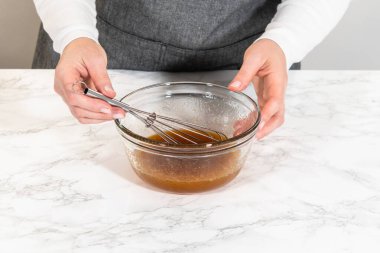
(162, 125)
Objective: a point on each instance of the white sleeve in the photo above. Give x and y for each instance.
(299, 25)
(66, 20)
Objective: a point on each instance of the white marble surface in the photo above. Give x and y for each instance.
(313, 186)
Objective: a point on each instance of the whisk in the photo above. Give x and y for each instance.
(161, 125)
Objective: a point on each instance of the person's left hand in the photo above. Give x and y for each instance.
(264, 64)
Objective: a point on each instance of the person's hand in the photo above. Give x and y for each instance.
(84, 59)
(264, 64)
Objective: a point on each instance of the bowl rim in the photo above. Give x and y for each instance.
(159, 144)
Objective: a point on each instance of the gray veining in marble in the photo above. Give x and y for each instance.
(312, 186)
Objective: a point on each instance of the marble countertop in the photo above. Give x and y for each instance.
(312, 186)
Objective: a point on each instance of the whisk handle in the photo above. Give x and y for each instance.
(91, 93)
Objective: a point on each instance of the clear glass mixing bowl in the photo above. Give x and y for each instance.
(190, 167)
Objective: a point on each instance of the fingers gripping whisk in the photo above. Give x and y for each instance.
(171, 130)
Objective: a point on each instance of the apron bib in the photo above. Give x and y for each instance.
(166, 35)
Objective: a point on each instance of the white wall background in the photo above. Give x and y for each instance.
(19, 25)
(354, 43)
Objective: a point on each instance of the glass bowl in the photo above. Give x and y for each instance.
(186, 168)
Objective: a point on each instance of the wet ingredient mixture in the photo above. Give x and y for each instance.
(186, 173)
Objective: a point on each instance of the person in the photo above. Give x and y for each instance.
(260, 38)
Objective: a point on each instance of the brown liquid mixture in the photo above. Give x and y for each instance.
(190, 173)
(200, 139)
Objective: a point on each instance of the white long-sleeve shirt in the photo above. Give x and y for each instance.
(297, 27)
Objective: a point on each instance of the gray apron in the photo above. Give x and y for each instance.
(167, 35)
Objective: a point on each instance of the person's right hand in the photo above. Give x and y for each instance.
(84, 59)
